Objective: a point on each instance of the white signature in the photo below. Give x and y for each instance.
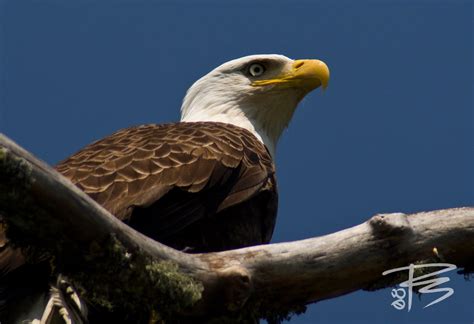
(429, 284)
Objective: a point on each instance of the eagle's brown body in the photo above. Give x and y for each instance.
(198, 186)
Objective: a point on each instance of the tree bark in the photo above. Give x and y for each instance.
(44, 210)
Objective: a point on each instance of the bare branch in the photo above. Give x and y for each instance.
(274, 276)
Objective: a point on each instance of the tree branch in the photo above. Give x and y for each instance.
(44, 210)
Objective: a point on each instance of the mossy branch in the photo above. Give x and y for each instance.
(47, 215)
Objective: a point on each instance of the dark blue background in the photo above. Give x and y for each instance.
(392, 133)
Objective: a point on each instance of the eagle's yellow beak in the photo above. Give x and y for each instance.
(305, 74)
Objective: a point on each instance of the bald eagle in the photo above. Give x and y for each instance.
(206, 183)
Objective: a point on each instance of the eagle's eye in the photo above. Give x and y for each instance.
(256, 69)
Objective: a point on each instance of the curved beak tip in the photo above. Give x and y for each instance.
(324, 74)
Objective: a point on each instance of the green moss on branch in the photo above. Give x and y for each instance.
(106, 271)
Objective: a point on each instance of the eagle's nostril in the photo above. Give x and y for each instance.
(298, 64)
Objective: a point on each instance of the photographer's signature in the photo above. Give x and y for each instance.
(425, 280)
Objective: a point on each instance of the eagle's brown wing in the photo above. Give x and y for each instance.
(164, 178)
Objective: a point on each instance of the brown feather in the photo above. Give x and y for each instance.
(168, 179)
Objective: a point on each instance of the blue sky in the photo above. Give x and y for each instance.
(392, 133)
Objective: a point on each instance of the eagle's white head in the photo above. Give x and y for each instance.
(258, 92)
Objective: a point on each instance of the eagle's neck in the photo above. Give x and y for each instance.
(266, 123)
(226, 98)
(266, 119)
(236, 118)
